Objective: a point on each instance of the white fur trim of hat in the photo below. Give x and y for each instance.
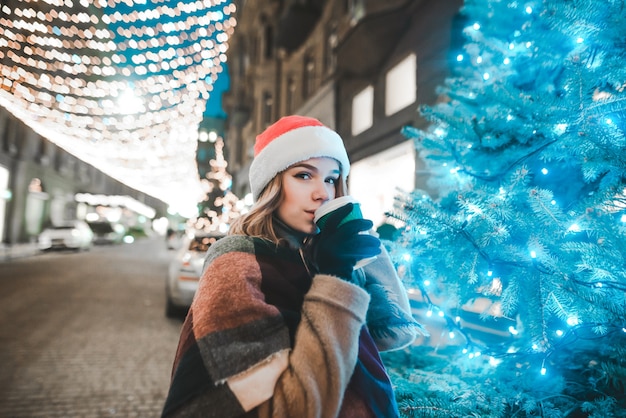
(290, 140)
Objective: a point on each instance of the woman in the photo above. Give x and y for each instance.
(281, 325)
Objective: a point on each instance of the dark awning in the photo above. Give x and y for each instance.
(366, 47)
(296, 23)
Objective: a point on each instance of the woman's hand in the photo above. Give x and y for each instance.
(337, 248)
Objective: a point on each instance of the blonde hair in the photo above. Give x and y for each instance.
(259, 221)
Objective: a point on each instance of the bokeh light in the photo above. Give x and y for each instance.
(121, 84)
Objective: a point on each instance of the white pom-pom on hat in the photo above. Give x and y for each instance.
(290, 140)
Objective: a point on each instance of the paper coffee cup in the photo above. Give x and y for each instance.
(323, 212)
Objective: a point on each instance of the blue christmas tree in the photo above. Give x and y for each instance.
(526, 209)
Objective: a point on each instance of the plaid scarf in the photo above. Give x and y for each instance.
(228, 330)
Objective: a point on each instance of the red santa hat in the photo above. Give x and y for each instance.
(290, 140)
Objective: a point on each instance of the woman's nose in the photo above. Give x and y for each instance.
(321, 192)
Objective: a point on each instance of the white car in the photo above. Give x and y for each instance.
(184, 272)
(105, 232)
(73, 235)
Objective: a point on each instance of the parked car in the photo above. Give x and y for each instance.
(185, 270)
(105, 232)
(74, 235)
(173, 239)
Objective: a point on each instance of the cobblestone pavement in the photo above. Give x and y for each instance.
(84, 334)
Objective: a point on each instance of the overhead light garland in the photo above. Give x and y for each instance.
(120, 84)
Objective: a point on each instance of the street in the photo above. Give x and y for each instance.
(84, 334)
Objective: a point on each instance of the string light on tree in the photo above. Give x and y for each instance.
(532, 123)
(222, 206)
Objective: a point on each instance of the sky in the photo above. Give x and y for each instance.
(214, 104)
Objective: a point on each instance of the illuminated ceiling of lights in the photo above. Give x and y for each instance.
(120, 84)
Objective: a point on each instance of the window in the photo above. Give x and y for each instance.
(401, 85)
(5, 196)
(363, 110)
(291, 94)
(268, 104)
(269, 42)
(308, 78)
(330, 59)
(254, 49)
(243, 62)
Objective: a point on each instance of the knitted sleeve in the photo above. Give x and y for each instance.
(324, 354)
(389, 318)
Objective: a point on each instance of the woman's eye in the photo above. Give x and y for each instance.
(331, 180)
(303, 176)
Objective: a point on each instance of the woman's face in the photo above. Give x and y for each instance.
(306, 186)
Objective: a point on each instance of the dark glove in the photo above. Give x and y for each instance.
(336, 249)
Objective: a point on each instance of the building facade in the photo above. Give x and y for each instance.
(360, 66)
(42, 184)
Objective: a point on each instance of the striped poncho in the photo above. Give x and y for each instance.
(264, 339)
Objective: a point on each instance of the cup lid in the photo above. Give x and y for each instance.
(331, 205)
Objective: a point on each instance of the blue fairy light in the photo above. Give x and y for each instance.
(572, 321)
(574, 228)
